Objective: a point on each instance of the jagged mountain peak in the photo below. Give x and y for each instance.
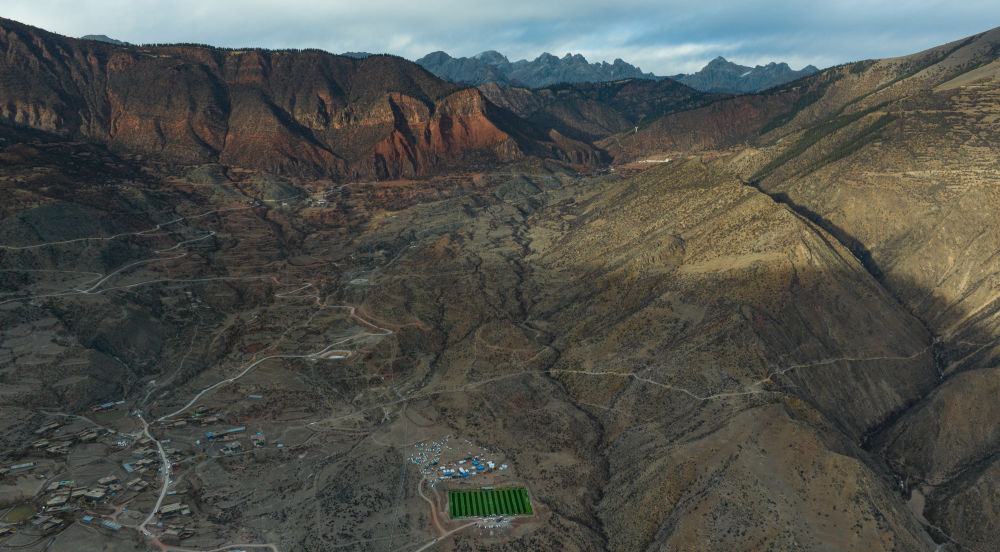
(492, 57)
(544, 70)
(722, 75)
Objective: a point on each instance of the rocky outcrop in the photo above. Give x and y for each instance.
(281, 111)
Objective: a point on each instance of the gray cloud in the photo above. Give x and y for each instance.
(666, 37)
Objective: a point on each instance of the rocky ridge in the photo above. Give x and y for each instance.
(723, 76)
(545, 70)
(283, 111)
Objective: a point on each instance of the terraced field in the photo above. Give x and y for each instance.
(510, 501)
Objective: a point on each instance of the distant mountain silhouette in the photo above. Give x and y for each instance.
(104, 38)
(721, 75)
(545, 70)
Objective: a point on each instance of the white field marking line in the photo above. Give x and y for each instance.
(123, 234)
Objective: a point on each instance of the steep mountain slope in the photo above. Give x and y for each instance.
(725, 76)
(699, 326)
(896, 158)
(590, 111)
(911, 179)
(280, 111)
(545, 70)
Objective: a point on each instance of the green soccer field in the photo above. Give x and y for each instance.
(509, 501)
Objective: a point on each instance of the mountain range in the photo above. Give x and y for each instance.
(546, 69)
(379, 116)
(677, 320)
(725, 76)
(719, 76)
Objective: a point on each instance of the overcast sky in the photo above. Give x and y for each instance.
(662, 36)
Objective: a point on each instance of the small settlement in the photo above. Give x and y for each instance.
(442, 460)
(133, 474)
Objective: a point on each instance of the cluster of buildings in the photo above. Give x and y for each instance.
(40, 523)
(317, 202)
(50, 445)
(46, 524)
(464, 460)
(202, 416)
(58, 498)
(59, 502)
(61, 494)
(60, 446)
